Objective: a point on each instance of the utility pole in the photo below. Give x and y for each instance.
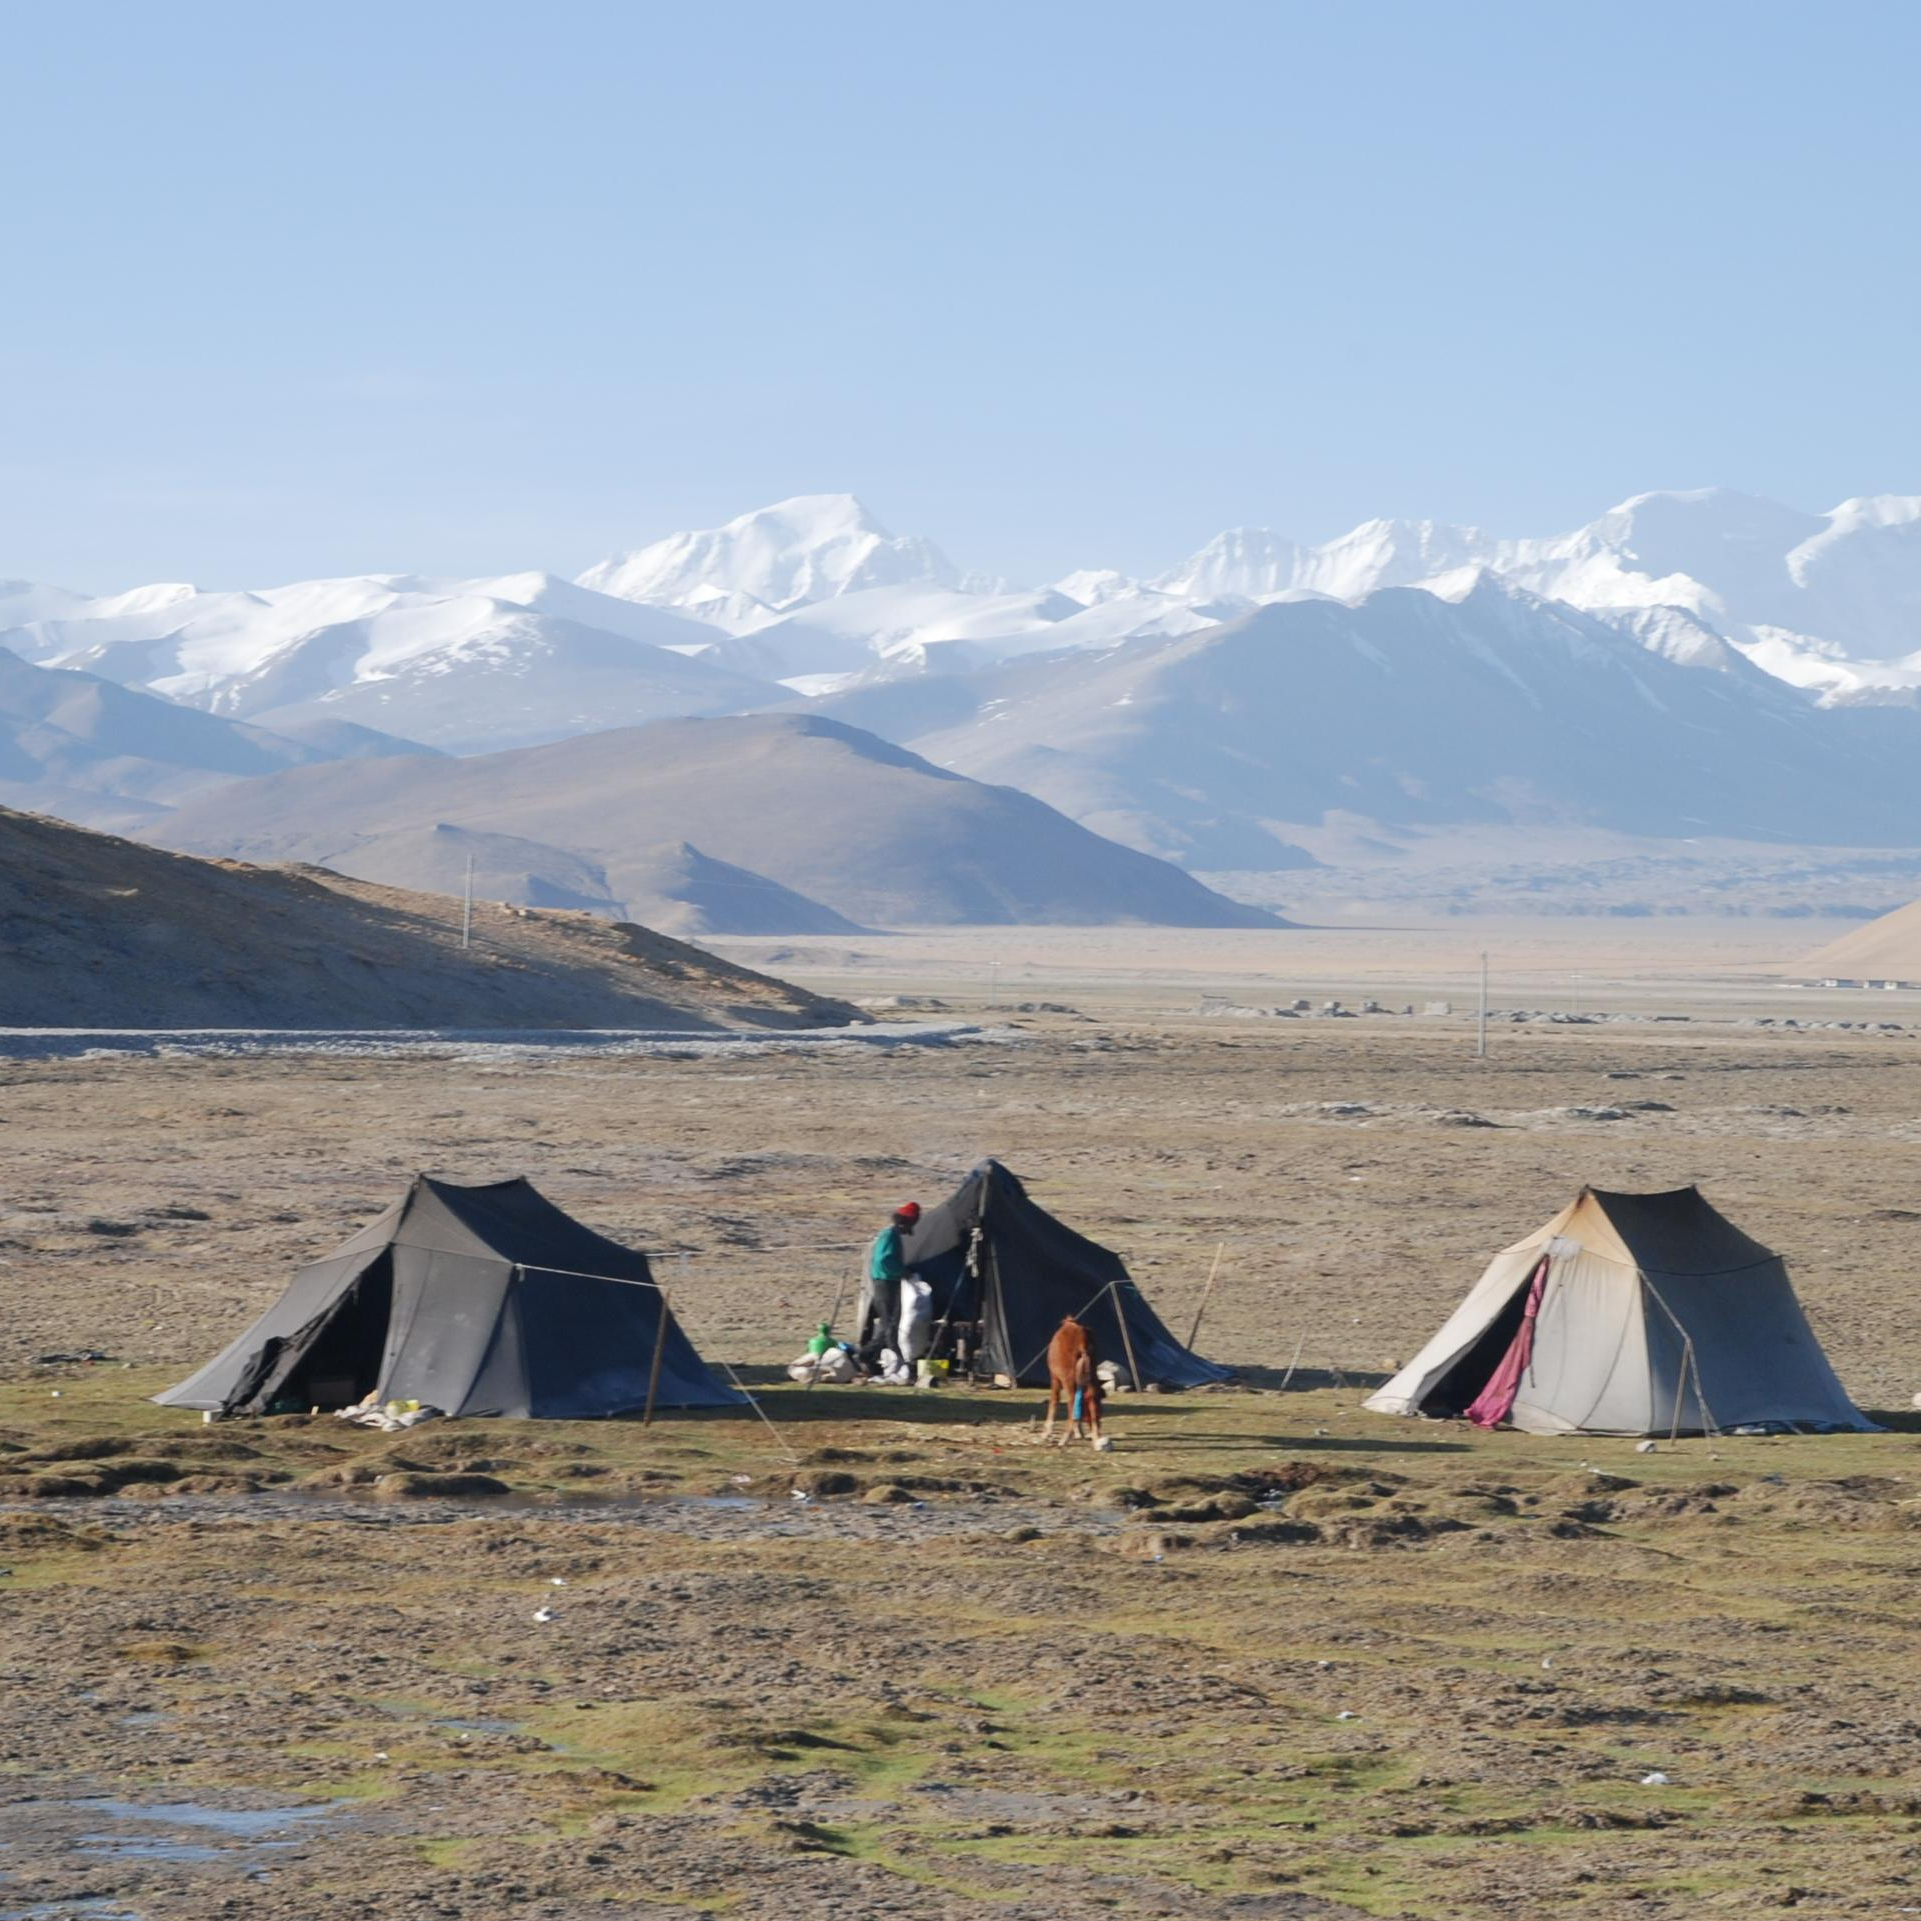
(1480, 1050)
(467, 908)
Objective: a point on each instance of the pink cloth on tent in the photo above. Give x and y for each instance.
(1495, 1402)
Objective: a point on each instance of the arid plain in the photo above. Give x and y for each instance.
(1273, 1656)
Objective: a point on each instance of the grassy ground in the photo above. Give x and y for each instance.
(966, 1675)
(1269, 1645)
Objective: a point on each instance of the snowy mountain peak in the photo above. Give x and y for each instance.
(1875, 510)
(1673, 532)
(1388, 553)
(143, 600)
(763, 564)
(1254, 563)
(25, 601)
(1094, 586)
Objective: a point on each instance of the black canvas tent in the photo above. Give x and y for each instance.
(474, 1300)
(991, 1254)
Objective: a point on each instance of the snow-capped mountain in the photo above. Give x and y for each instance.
(1827, 602)
(887, 633)
(1830, 603)
(816, 594)
(764, 564)
(1733, 621)
(1410, 709)
(463, 665)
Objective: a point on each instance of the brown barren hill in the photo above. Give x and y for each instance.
(1887, 948)
(846, 820)
(101, 932)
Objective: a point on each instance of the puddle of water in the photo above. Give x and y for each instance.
(239, 1824)
(404, 1710)
(126, 1847)
(514, 1501)
(226, 1830)
(95, 1907)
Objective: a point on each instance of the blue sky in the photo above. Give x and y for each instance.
(450, 288)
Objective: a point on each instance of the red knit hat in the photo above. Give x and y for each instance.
(907, 1211)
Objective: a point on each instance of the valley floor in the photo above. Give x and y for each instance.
(1273, 1656)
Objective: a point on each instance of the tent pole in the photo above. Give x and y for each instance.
(1690, 1364)
(1127, 1340)
(971, 1266)
(1194, 1333)
(1296, 1361)
(1709, 1426)
(1086, 1307)
(833, 1314)
(653, 1373)
(840, 1294)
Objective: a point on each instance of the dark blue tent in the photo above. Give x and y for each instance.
(474, 1300)
(994, 1255)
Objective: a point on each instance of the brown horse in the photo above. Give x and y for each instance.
(1071, 1372)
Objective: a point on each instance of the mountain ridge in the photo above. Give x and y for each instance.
(837, 815)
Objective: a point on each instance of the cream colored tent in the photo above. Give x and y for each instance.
(1649, 1314)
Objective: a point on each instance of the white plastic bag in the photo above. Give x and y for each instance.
(916, 1318)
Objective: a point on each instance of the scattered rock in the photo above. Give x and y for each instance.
(431, 1487)
(826, 1481)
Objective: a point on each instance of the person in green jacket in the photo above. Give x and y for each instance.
(886, 1268)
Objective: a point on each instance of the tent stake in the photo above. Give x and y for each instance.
(653, 1373)
(1195, 1331)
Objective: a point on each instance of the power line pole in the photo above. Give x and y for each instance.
(1480, 1049)
(467, 908)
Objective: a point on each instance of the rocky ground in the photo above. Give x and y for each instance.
(1273, 1656)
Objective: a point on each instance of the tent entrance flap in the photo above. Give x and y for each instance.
(344, 1360)
(1464, 1383)
(1495, 1402)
